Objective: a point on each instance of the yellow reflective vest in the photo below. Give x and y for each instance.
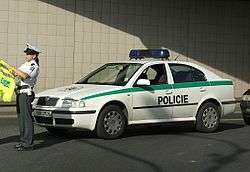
(7, 82)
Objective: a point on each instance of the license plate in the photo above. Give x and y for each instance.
(47, 114)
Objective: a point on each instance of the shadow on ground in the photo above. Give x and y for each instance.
(173, 128)
(45, 139)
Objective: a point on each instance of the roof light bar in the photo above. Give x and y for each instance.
(150, 53)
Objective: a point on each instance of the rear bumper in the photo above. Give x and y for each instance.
(245, 107)
(66, 119)
(228, 107)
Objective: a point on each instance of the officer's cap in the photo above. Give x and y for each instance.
(31, 49)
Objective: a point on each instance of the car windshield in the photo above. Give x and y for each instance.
(111, 74)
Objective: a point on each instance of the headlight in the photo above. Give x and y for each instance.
(71, 103)
(35, 101)
(246, 97)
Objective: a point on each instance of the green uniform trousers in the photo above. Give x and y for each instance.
(24, 114)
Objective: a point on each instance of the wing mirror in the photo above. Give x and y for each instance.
(143, 82)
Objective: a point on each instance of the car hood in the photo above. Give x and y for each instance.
(77, 91)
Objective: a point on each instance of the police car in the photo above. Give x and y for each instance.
(138, 91)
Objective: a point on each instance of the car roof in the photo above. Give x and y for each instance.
(142, 61)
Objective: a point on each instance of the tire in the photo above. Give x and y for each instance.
(208, 118)
(246, 120)
(111, 122)
(57, 131)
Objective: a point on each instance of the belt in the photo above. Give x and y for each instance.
(24, 87)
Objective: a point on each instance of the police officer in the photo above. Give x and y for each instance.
(28, 73)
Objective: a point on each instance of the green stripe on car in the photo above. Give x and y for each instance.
(218, 83)
(160, 87)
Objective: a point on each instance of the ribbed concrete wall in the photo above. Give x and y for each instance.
(77, 36)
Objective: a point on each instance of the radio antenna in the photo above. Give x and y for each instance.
(177, 57)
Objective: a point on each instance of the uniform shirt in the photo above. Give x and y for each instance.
(32, 69)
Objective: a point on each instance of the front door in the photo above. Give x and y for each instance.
(148, 101)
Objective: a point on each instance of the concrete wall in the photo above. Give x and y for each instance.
(77, 36)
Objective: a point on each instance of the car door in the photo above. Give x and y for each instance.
(147, 100)
(188, 89)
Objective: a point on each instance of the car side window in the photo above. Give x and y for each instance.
(156, 74)
(184, 73)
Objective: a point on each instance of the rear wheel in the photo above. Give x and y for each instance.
(246, 120)
(208, 118)
(111, 122)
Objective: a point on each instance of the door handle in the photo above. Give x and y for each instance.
(169, 92)
(202, 89)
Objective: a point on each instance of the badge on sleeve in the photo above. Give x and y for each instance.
(32, 68)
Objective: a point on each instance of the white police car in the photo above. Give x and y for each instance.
(137, 92)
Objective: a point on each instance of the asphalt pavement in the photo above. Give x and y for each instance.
(170, 147)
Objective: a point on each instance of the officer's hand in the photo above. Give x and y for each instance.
(12, 69)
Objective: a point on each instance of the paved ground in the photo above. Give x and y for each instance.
(156, 148)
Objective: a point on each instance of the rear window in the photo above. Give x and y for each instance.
(184, 73)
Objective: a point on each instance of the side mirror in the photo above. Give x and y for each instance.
(143, 82)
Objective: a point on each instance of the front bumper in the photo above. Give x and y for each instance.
(67, 119)
(245, 107)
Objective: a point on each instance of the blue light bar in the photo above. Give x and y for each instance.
(153, 53)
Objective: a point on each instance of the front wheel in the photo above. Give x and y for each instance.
(208, 118)
(111, 122)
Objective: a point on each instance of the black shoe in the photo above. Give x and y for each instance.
(25, 148)
(18, 145)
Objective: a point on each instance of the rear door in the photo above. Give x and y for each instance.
(190, 85)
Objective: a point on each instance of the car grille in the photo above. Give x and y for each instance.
(64, 121)
(44, 120)
(49, 120)
(47, 101)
